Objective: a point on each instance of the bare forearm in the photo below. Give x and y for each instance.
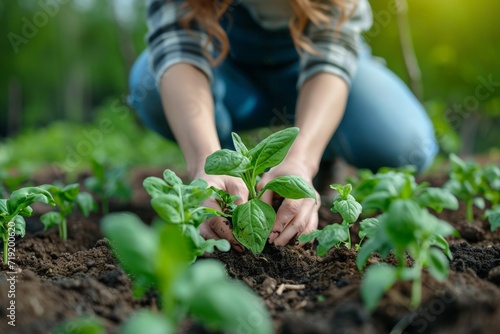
(188, 105)
(320, 108)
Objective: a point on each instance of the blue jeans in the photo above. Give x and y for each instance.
(255, 87)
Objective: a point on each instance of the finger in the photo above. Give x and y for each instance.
(311, 227)
(305, 220)
(288, 210)
(238, 189)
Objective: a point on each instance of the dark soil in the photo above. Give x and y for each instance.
(57, 281)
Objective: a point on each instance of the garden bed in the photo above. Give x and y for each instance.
(58, 281)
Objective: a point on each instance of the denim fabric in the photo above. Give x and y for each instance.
(255, 87)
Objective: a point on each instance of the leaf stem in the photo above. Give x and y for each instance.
(469, 213)
(63, 230)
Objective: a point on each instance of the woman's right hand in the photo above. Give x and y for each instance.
(219, 227)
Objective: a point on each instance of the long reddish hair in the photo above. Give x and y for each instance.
(207, 14)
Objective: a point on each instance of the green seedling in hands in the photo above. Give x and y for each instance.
(159, 257)
(13, 210)
(109, 183)
(336, 234)
(466, 182)
(66, 199)
(405, 227)
(181, 205)
(253, 220)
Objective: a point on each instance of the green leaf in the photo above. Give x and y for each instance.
(86, 203)
(238, 144)
(377, 244)
(227, 162)
(439, 241)
(379, 200)
(437, 264)
(349, 209)
(51, 219)
(193, 196)
(310, 236)
(369, 227)
(70, 192)
(402, 220)
(272, 150)
(209, 246)
(344, 191)
(292, 187)
(20, 226)
(479, 202)
(220, 303)
(155, 186)
(171, 178)
(145, 321)
(252, 223)
(24, 197)
(134, 244)
(378, 279)
(331, 236)
(437, 199)
(169, 208)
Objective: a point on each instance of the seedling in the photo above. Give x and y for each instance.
(385, 188)
(335, 234)
(66, 199)
(159, 257)
(404, 227)
(109, 183)
(466, 182)
(180, 205)
(253, 220)
(13, 210)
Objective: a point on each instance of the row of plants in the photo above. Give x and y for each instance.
(159, 257)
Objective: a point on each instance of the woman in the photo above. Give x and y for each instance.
(300, 62)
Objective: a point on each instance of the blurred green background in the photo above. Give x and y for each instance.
(69, 63)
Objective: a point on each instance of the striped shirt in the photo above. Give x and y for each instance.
(170, 44)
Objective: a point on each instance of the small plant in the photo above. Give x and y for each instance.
(180, 205)
(13, 210)
(491, 184)
(335, 234)
(466, 182)
(404, 228)
(109, 183)
(159, 257)
(253, 220)
(66, 198)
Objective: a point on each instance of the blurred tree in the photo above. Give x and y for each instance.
(60, 61)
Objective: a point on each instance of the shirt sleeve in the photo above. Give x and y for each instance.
(169, 43)
(338, 50)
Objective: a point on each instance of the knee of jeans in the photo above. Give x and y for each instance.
(420, 152)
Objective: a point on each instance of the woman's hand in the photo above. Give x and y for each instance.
(219, 227)
(294, 217)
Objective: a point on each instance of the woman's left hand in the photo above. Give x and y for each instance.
(294, 216)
